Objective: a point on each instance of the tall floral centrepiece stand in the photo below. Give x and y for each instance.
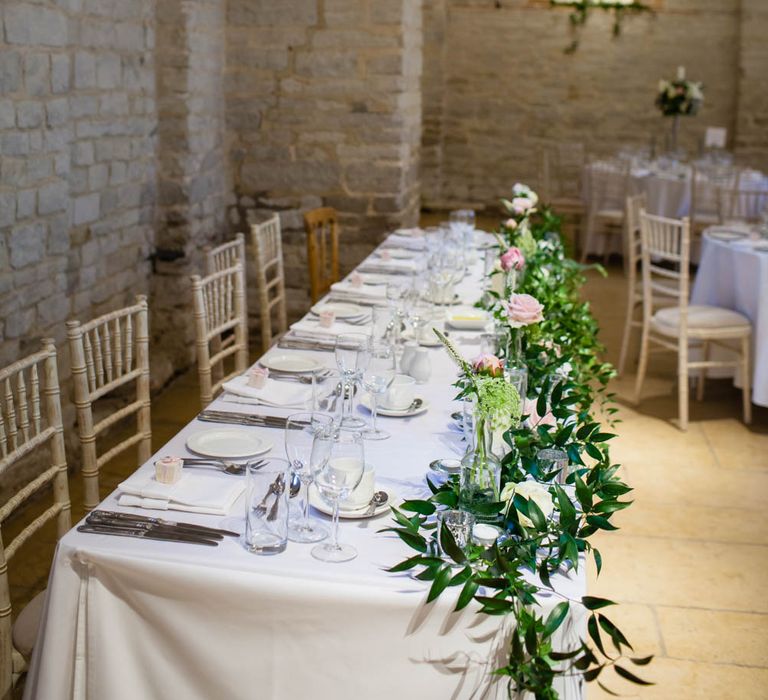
(677, 98)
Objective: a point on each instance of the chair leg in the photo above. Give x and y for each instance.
(590, 233)
(682, 389)
(642, 364)
(746, 380)
(702, 372)
(627, 329)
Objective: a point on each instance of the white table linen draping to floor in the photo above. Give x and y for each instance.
(128, 619)
(734, 275)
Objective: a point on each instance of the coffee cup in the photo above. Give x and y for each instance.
(400, 394)
(363, 493)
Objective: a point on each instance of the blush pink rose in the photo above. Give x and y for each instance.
(488, 364)
(520, 205)
(510, 223)
(523, 310)
(513, 259)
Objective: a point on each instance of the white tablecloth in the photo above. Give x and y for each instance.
(127, 619)
(734, 275)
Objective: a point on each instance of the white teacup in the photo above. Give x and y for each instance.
(363, 494)
(400, 394)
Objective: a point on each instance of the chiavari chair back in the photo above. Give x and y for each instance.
(322, 229)
(270, 279)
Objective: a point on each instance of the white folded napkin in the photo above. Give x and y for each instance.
(408, 242)
(312, 330)
(365, 292)
(378, 265)
(193, 493)
(280, 394)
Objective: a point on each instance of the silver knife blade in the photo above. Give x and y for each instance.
(163, 535)
(97, 517)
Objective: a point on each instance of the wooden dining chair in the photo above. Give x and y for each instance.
(30, 422)
(632, 256)
(704, 210)
(107, 353)
(743, 205)
(608, 185)
(665, 245)
(322, 230)
(219, 309)
(270, 279)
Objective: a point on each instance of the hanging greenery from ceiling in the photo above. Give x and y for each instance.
(580, 10)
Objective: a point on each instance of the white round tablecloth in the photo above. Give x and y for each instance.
(734, 275)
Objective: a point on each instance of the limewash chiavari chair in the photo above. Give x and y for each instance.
(270, 279)
(704, 201)
(107, 353)
(322, 229)
(608, 183)
(632, 255)
(30, 419)
(561, 166)
(219, 308)
(665, 269)
(223, 257)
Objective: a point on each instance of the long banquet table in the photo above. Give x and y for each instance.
(127, 618)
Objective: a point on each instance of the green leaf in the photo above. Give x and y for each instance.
(439, 584)
(555, 618)
(594, 633)
(612, 506)
(601, 437)
(494, 605)
(583, 493)
(631, 677)
(537, 516)
(531, 639)
(405, 565)
(461, 577)
(446, 498)
(608, 690)
(617, 636)
(413, 540)
(600, 522)
(567, 511)
(594, 603)
(449, 546)
(466, 595)
(592, 673)
(598, 560)
(644, 661)
(593, 452)
(421, 507)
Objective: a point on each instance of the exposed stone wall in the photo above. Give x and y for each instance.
(77, 115)
(506, 84)
(323, 100)
(752, 123)
(193, 172)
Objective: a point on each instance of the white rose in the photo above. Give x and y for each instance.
(533, 491)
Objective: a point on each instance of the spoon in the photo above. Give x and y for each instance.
(415, 405)
(295, 486)
(379, 499)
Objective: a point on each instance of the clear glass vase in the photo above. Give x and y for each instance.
(480, 468)
(515, 369)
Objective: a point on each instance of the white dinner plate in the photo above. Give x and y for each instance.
(340, 308)
(359, 513)
(724, 235)
(467, 319)
(365, 400)
(290, 362)
(228, 443)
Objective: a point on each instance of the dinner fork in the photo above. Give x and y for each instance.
(222, 465)
(276, 488)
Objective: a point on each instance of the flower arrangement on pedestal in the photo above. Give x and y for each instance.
(676, 98)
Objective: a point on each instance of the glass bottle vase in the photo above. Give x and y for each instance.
(480, 483)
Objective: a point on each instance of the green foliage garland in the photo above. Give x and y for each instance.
(567, 383)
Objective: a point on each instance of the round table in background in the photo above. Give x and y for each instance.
(734, 275)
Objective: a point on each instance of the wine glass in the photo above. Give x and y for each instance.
(419, 315)
(352, 354)
(396, 292)
(382, 325)
(377, 377)
(300, 429)
(337, 463)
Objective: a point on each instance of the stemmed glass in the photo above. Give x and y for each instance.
(377, 377)
(419, 315)
(337, 463)
(396, 293)
(352, 352)
(300, 429)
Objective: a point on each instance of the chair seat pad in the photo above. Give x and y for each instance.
(700, 318)
(617, 214)
(25, 627)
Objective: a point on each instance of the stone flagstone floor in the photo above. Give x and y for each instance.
(689, 565)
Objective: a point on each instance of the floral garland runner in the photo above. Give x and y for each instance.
(546, 524)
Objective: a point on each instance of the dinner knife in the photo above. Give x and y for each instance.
(97, 517)
(241, 419)
(147, 534)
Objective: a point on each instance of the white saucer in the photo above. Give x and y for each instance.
(228, 443)
(365, 400)
(359, 513)
(290, 362)
(446, 466)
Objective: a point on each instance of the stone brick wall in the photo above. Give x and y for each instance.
(323, 105)
(77, 115)
(496, 82)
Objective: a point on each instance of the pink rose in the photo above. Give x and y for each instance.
(523, 310)
(488, 364)
(513, 259)
(520, 205)
(510, 223)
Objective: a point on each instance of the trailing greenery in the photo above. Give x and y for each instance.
(580, 13)
(567, 392)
